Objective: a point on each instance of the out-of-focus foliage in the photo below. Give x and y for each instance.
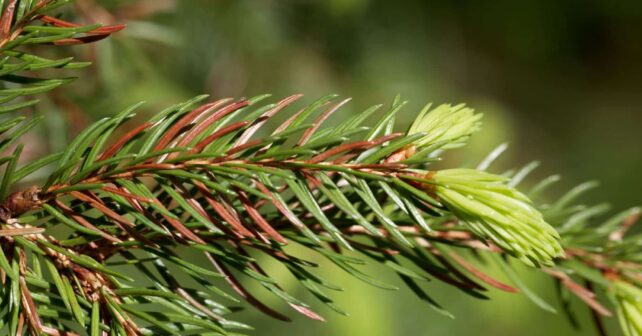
(556, 72)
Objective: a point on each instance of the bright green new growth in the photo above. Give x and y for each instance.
(493, 210)
(446, 126)
(628, 302)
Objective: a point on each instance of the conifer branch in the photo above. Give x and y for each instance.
(193, 177)
(25, 24)
(100, 246)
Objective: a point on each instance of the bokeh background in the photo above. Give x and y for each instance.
(560, 81)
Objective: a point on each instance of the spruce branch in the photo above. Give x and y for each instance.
(100, 247)
(201, 178)
(25, 25)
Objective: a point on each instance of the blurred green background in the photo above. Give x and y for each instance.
(558, 80)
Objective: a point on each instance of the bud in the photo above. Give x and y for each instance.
(445, 126)
(19, 202)
(495, 211)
